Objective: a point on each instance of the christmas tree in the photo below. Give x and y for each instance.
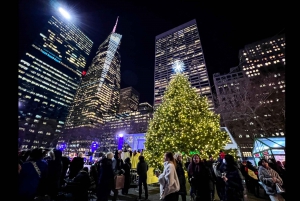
(183, 123)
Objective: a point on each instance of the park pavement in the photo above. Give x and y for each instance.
(153, 191)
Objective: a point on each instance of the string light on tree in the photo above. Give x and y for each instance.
(183, 123)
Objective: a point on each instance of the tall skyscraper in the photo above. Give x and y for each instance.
(258, 87)
(99, 92)
(49, 75)
(129, 100)
(180, 43)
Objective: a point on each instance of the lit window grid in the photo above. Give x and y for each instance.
(47, 79)
(55, 39)
(254, 58)
(93, 96)
(36, 73)
(184, 45)
(126, 123)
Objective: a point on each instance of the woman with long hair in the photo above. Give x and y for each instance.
(168, 180)
(234, 190)
(199, 177)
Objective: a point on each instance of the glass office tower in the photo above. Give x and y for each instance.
(48, 77)
(180, 43)
(99, 91)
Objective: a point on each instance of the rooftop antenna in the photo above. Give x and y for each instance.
(115, 25)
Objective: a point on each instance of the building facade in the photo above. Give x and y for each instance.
(49, 74)
(99, 90)
(129, 100)
(98, 96)
(120, 124)
(145, 107)
(180, 43)
(257, 83)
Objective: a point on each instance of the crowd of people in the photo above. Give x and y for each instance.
(47, 173)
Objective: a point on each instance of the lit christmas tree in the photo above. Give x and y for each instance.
(183, 123)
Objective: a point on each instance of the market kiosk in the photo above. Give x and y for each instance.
(269, 147)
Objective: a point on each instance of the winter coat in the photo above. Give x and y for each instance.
(233, 186)
(142, 168)
(200, 178)
(126, 168)
(54, 173)
(30, 183)
(75, 166)
(265, 176)
(83, 181)
(168, 180)
(181, 177)
(106, 174)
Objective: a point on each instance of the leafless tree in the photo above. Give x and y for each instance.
(253, 106)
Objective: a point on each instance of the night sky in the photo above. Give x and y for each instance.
(223, 28)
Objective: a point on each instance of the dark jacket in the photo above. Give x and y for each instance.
(200, 178)
(30, 183)
(83, 182)
(117, 164)
(54, 173)
(75, 166)
(126, 168)
(106, 177)
(233, 186)
(106, 174)
(181, 177)
(142, 168)
(65, 165)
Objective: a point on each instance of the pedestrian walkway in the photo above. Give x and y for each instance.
(153, 191)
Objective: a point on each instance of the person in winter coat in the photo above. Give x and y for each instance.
(126, 168)
(168, 180)
(269, 178)
(142, 168)
(76, 165)
(54, 173)
(106, 177)
(234, 189)
(181, 176)
(200, 178)
(65, 165)
(32, 182)
(117, 164)
(209, 164)
(83, 182)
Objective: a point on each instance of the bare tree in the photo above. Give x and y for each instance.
(253, 106)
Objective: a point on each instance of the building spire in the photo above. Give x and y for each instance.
(115, 25)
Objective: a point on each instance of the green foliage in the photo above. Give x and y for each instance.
(183, 123)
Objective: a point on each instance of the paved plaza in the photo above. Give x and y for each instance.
(153, 191)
